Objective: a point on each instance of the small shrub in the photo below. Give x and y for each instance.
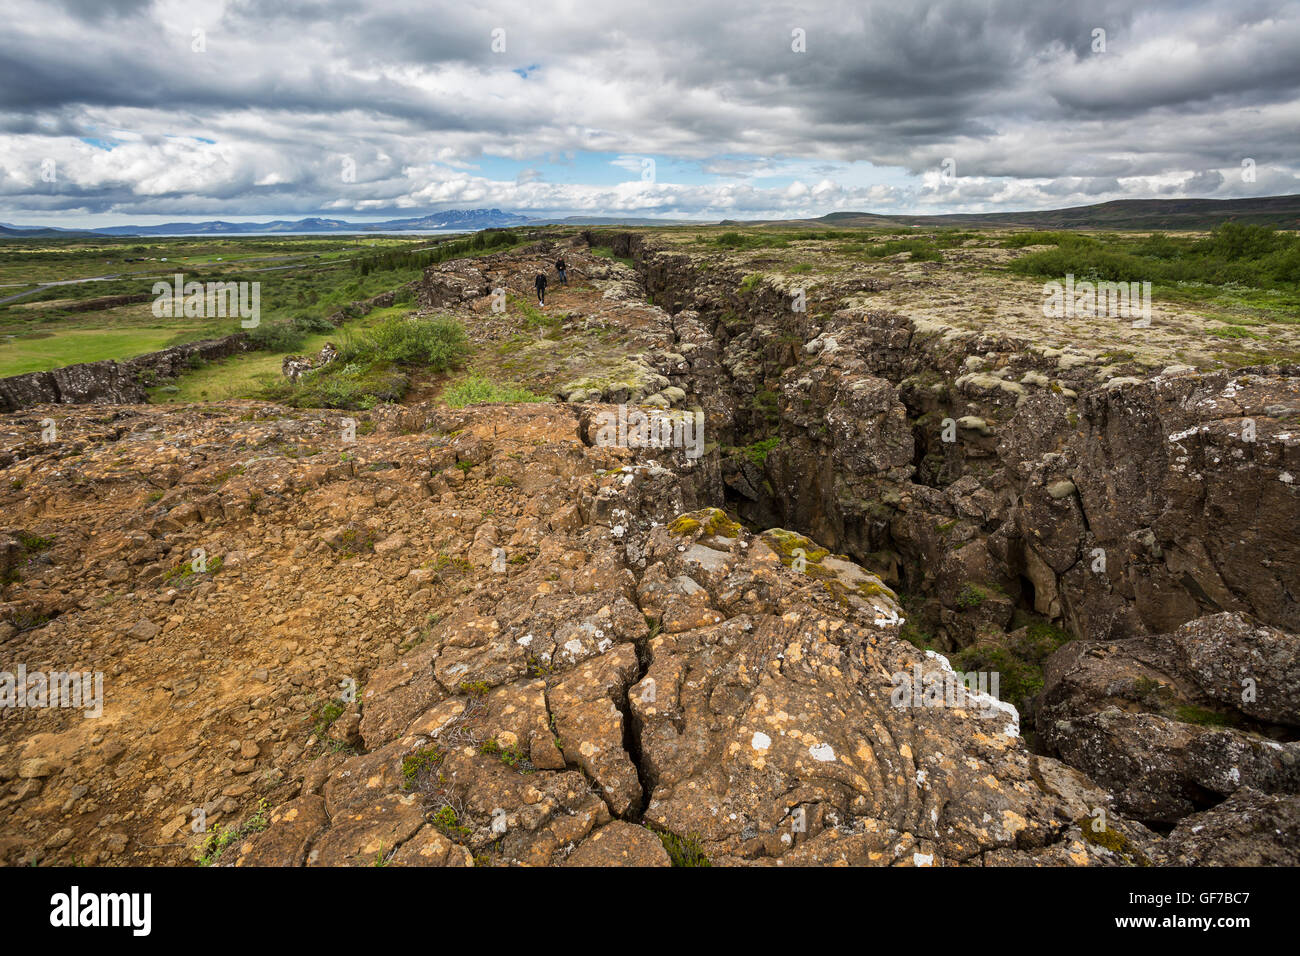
(34, 542)
(276, 337)
(326, 716)
(683, 850)
(313, 324)
(971, 596)
(419, 762)
(438, 344)
(445, 819)
(215, 843)
(758, 452)
(477, 389)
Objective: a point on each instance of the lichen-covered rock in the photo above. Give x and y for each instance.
(1243, 664)
(620, 844)
(294, 825)
(1250, 828)
(1174, 723)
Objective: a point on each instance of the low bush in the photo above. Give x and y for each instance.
(476, 389)
(437, 344)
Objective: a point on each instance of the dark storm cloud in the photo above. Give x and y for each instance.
(99, 10)
(1206, 181)
(1018, 94)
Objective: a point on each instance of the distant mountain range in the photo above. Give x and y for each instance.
(36, 232)
(1280, 211)
(462, 219)
(468, 219)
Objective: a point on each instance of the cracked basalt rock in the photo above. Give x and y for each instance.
(719, 693)
(1175, 723)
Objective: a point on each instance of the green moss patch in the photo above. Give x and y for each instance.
(706, 522)
(1114, 841)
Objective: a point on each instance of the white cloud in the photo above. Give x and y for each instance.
(413, 94)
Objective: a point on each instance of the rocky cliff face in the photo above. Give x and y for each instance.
(491, 636)
(981, 473)
(109, 382)
(1049, 465)
(1175, 723)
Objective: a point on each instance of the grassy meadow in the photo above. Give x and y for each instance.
(303, 280)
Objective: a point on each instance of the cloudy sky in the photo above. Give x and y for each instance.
(146, 111)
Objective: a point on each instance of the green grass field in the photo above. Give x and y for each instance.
(250, 374)
(42, 351)
(302, 280)
(35, 261)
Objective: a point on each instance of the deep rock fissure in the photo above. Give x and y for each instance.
(767, 509)
(1044, 503)
(813, 481)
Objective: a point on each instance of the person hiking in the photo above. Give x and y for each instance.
(540, 284)
(560, 267)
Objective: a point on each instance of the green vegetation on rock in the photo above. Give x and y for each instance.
(373, 366)
(712, 521)
(476, 390)
(682, 850)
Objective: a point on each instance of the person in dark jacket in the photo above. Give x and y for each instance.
(560, 266)
(540, 284)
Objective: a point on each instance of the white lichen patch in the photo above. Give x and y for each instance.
(824, 753)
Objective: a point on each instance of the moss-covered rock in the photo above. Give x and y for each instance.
(705, 523)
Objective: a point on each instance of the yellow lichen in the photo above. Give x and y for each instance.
(714, 521)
